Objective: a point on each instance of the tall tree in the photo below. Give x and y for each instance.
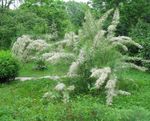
(54, 11)
(76, 12)
(7, 3)
(131, 11)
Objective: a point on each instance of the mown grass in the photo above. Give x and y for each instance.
(22, 101)
(27, 70)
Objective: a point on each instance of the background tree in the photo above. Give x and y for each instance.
(5, 4)
(76, 13)
(131, 11)
(16, 23)
(53, 11)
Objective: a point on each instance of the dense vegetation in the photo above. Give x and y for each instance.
(72, 61)
(9, 67)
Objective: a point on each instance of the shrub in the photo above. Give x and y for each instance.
(141, 34)
(18, 22)
(8, 67)
(40, 65)
(101, 56)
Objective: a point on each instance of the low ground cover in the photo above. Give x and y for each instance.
(22, 101)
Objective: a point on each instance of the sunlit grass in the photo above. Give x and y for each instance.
(22, 101)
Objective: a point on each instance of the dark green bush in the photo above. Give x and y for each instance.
(8, 67)
(141, 34)
(18, 22)
(40, 65)
(130, 12)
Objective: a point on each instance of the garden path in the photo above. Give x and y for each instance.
(37, 78)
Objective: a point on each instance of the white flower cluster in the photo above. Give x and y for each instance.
(25, 48)
(55, 57)
(60, 87)
(93, 32)
(123, 41)
(101, 21)
(73, 70)
(20, 45)
(134, 66)
(110, 90)
(101, 75)
(120, 41)
(121, 92)
(127, 58)
(62, 90)
(70, 40)
(99, 36)
(112, 28)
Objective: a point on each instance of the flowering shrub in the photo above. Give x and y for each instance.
(40, 64)
(60, 91)
(8, 67)
(99, 56)
(26, 49)
(55, 57)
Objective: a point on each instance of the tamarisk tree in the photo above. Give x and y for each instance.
(101, 55)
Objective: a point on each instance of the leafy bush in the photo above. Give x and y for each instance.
(18, 22)
(76, 13)
(141, 34)
(53, 11)
(131, 11)
(8, 67)
(100, 56)
(40, 64)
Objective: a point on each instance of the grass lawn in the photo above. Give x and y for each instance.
(22, 101)
(26, 70)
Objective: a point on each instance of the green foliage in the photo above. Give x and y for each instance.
(131, 11)
(141, 34)
(22, 101)
(76, 12)
(8, 67)
(40, 64)
(26, 70)
(53, 11)
(14, 23)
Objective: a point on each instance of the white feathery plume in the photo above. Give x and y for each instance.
(36, 46)
(101, 75)
(125, 40)
(134, 66)
(55, 57)
(49, 95)
(112, 28)
(20, 45)
(60, 87)
(124, 47)
(71, 88)
(89, 26)
(103, 18)
(25, 48)
(99, 36)
(73, 70)
(70, 40)
(110, 90)
(65, 96)
(127, 58)
(100, 81)
(72, 37)
(121, 92)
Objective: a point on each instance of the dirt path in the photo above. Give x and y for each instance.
(37, 78)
